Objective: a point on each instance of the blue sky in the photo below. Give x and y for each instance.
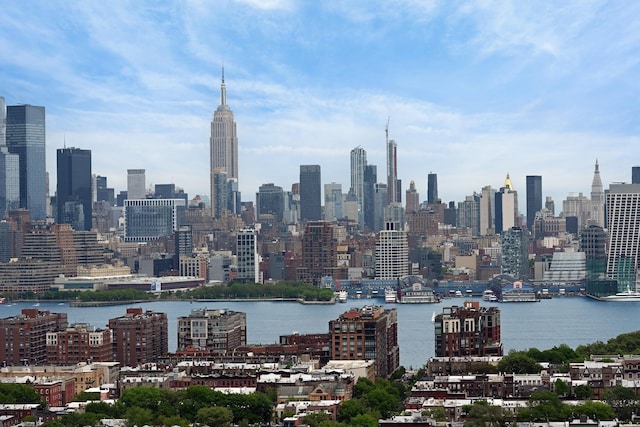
(473, 90)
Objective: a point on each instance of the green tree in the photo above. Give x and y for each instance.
(214, 416)
(314, 419)
(19, 393)
(482, 414)
(561, 388)
(595, 410)
(517, 362)
(350, 409)
(623, 401)
(582, 392)
(364, 420)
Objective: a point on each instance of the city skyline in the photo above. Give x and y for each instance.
(471, 91)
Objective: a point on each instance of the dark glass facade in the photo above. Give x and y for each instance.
(73, 195)
(310, 193)
(26, 137)
(534, 198)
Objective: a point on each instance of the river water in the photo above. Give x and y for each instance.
(562, 320)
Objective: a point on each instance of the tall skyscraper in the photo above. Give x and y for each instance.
(506, 206)
(534, 198)
(270, 201)
(392, 171)
(412, 199)
(136, 184)
(333, 202)
(487, 206)
(26, 137)
(9, 169)
(432, 188)
(73, 195)
(623, 223)
(310, 193)
(597, 199)
(370, 179)
(358, 167)
(220, 194)
(223, 142)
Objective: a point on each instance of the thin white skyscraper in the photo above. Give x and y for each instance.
(223, 142)
(392, 170)
(358, 166)
(597, 199)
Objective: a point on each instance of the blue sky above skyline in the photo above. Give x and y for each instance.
(473, 90)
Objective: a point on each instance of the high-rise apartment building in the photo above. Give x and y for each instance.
(136, 184)
(487, 206)
(319, 253)
(432, 188)
(469, 214)
(369, 333)
(623, 224)
(26, 137)
(392, 171)
(380, 201)
(247, 256)
(515, 253)
(597, 199)
(358, 167)
(79, 343)
(218, 331)
(73, 195)
(223, 143)
(23, 337)
(392, 253)
(139, 336)
(469, 330)
(220, 195)
(310, 193)
(149, 219)
(534, 198)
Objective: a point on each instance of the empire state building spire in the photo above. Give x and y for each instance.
(223, 153)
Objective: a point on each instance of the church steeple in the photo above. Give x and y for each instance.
(223, 90)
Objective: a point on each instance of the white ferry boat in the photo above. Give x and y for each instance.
(342, 296)
(418, 294)
(390, 296)
(627, 295)
(489, 295)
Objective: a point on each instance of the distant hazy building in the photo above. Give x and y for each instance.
(579, 207)
(468, 331)
(26, 137)
(247, 256)
(218, 331)
(23, 337)
(149, 219)
(223, 143)
(380, 201)
(139, 336)
(270, 201)
(136, 184)
(333, 202)
(487, 209)
(369, 333)
(432, 188)
(73, 195)
(412, 199)
(469, 214)
(635, 175)
(392, 253)
(534, 198)
(310, 193)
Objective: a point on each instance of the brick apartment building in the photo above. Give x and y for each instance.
(370, 333)
(469, 330)
(139, 336)
(79, 343)
(23, 337)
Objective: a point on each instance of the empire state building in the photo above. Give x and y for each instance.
(224, 148)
